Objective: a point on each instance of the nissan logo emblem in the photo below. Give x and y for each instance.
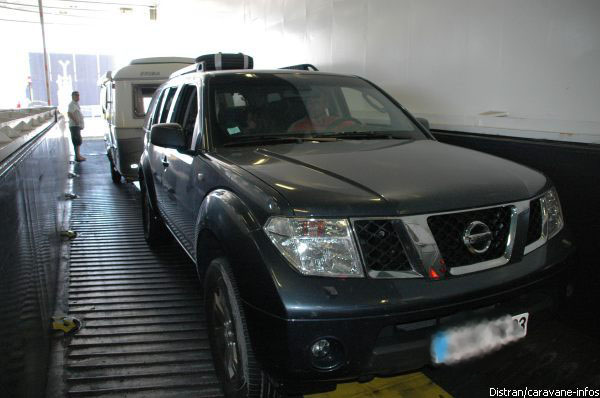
(477, 237)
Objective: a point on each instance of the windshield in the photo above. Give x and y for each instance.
(255, 107)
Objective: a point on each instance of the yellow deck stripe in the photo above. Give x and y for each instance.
(414, 385)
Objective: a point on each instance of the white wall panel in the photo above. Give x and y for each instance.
(319, 29)
(482, 67)
(387, 52)
(274, 40)
(574, 38)
(526, 58)
(437, 55)
(449, 60)
(254, 29)
(294, 32)
(349, 36)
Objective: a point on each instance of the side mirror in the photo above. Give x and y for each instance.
(167, 135)
(424, 122)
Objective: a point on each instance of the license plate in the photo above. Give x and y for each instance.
(464, 342)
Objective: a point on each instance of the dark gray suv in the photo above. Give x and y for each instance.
(335, 238)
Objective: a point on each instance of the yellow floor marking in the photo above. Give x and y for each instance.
(414, 385)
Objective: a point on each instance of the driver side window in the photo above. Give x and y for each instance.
(186, 111)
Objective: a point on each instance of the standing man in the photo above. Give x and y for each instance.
(76, 124)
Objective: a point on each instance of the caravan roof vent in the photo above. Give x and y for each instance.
(221, 61)
(162, 60)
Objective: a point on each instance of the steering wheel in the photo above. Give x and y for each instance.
(342, 120)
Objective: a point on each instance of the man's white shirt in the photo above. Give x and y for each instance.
(74, 109)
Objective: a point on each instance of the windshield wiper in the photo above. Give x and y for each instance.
(267, 139)
(364, 135)
(348, 135)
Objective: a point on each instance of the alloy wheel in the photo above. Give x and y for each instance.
(225, 333)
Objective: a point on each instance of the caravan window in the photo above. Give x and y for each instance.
(142, 95)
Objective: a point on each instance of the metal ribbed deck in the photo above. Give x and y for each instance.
(144, 333)
(143, 325)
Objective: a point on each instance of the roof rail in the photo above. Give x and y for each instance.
(183, 71)
(307, 67)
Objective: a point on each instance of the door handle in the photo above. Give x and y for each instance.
(170, 190)
(165, 161)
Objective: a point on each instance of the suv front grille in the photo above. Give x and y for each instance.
(448, 230)
(380, 246)
(534, 231)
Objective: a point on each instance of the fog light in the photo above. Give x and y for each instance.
(569, 290)
(320, 349)
(327, 354)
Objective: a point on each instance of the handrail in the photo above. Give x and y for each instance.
(12, 152)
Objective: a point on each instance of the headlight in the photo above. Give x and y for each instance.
(553, 211)
(316, 247)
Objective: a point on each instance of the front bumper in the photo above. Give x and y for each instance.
(399, 340)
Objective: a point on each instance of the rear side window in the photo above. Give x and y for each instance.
(163, 105)
(142, 95)
(150, 115)
(166, 106)
(158, 108)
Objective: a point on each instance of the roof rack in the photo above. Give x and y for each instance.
(221, 61)
(308, 67)
(218, 61)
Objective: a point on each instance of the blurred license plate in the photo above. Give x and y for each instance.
(464, 342)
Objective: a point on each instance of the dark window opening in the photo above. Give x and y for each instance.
(142, 95)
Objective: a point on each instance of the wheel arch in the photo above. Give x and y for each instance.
(208, 247)
(145, 178)
(227, 227)
(233, 231)
(223, 220)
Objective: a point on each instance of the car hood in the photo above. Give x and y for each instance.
(385, 177)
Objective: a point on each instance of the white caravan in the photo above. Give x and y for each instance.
(124, 98)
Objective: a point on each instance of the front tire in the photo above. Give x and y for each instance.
(240, 374)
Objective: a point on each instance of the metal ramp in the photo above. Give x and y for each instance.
(143, 331)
